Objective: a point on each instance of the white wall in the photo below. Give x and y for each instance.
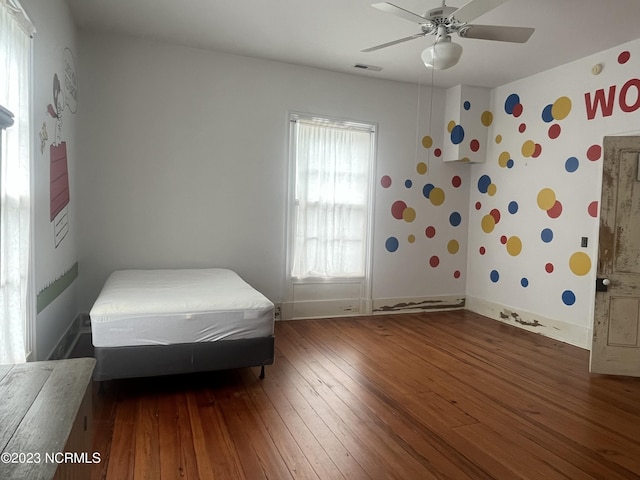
(185, 165)
(52, 259)
(544, 305)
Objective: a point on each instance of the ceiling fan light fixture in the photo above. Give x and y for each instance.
(442, 55)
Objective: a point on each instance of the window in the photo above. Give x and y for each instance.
(332, 169)
(330, 202)
(15, 182)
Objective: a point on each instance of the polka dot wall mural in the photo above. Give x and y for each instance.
(523, 138)
(467, 124)
(420, 196)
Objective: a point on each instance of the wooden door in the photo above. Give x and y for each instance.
(616, 330)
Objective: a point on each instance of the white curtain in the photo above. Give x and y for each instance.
(332, 193)
(15, 209)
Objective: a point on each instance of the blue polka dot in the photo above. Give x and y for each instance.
(426, 190)
(494, 276)
(391, 244)
(455, 218)
(568, 297)
(572, 164)
(511, 101)
(524, 282)
(546, 235)
(466, 105)
(510, 163)
(457, 135)
(513, 207)
(408, 183)
(483, 183)
(547, 116)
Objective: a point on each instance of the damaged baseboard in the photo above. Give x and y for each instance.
(383, 306)
(557, 329)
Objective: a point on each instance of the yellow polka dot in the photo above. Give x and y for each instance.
(486, 118)
(421, 168)
(528, 148)
(488, 223)
(561, 108)
(450, 126)
(546, 199)
(409, 214)
(514, 246)
(491, 190)
(411, 238)
(436, 196)
(465, 160)
(427, 141)
(503, 159)
(580, 263)
(453, 246)
(498, 138)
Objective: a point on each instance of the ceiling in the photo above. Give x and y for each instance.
(330, 34)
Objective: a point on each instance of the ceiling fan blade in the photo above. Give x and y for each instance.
(400, 12)
(474, 9)
(388, 44)
(499, 33)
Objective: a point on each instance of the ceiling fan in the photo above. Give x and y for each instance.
(443, 21)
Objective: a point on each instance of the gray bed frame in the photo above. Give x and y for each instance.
(155, 360)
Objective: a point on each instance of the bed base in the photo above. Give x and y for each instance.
(155, 360)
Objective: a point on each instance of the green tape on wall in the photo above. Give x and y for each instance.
(51, 292)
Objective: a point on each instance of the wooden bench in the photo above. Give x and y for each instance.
(45, 411)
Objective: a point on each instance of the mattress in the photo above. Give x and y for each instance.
(164, 307)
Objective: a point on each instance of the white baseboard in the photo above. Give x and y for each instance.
(557, 329)
(308, 309)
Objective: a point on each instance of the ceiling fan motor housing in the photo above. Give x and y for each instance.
(440, 14)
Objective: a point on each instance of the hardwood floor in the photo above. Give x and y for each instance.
(439, 395)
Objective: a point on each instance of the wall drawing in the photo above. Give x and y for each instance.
(65, 94)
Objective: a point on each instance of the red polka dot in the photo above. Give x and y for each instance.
(593, 209)
(517, 110)
(397, 209)
(503, 239)
(556, 210)
(554, 131)
(549, 267)
(624, 57)
(537, 150)
(385, 181)
(434, 261)
(430, 232)
(437, 152)
(478, 205)
(482, 250)
(456, 274)
(474, 145)
(456, 181)
(495, 213)
(522, 127)
(594, 152)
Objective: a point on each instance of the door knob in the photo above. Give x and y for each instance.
(602, 284)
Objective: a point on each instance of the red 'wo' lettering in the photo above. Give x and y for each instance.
(599, 100)
(623, 100)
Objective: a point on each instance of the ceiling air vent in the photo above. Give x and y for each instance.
(362, 66)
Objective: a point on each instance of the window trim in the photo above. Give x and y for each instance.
(365, 281)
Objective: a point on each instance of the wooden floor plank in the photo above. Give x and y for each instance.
(447, 395)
